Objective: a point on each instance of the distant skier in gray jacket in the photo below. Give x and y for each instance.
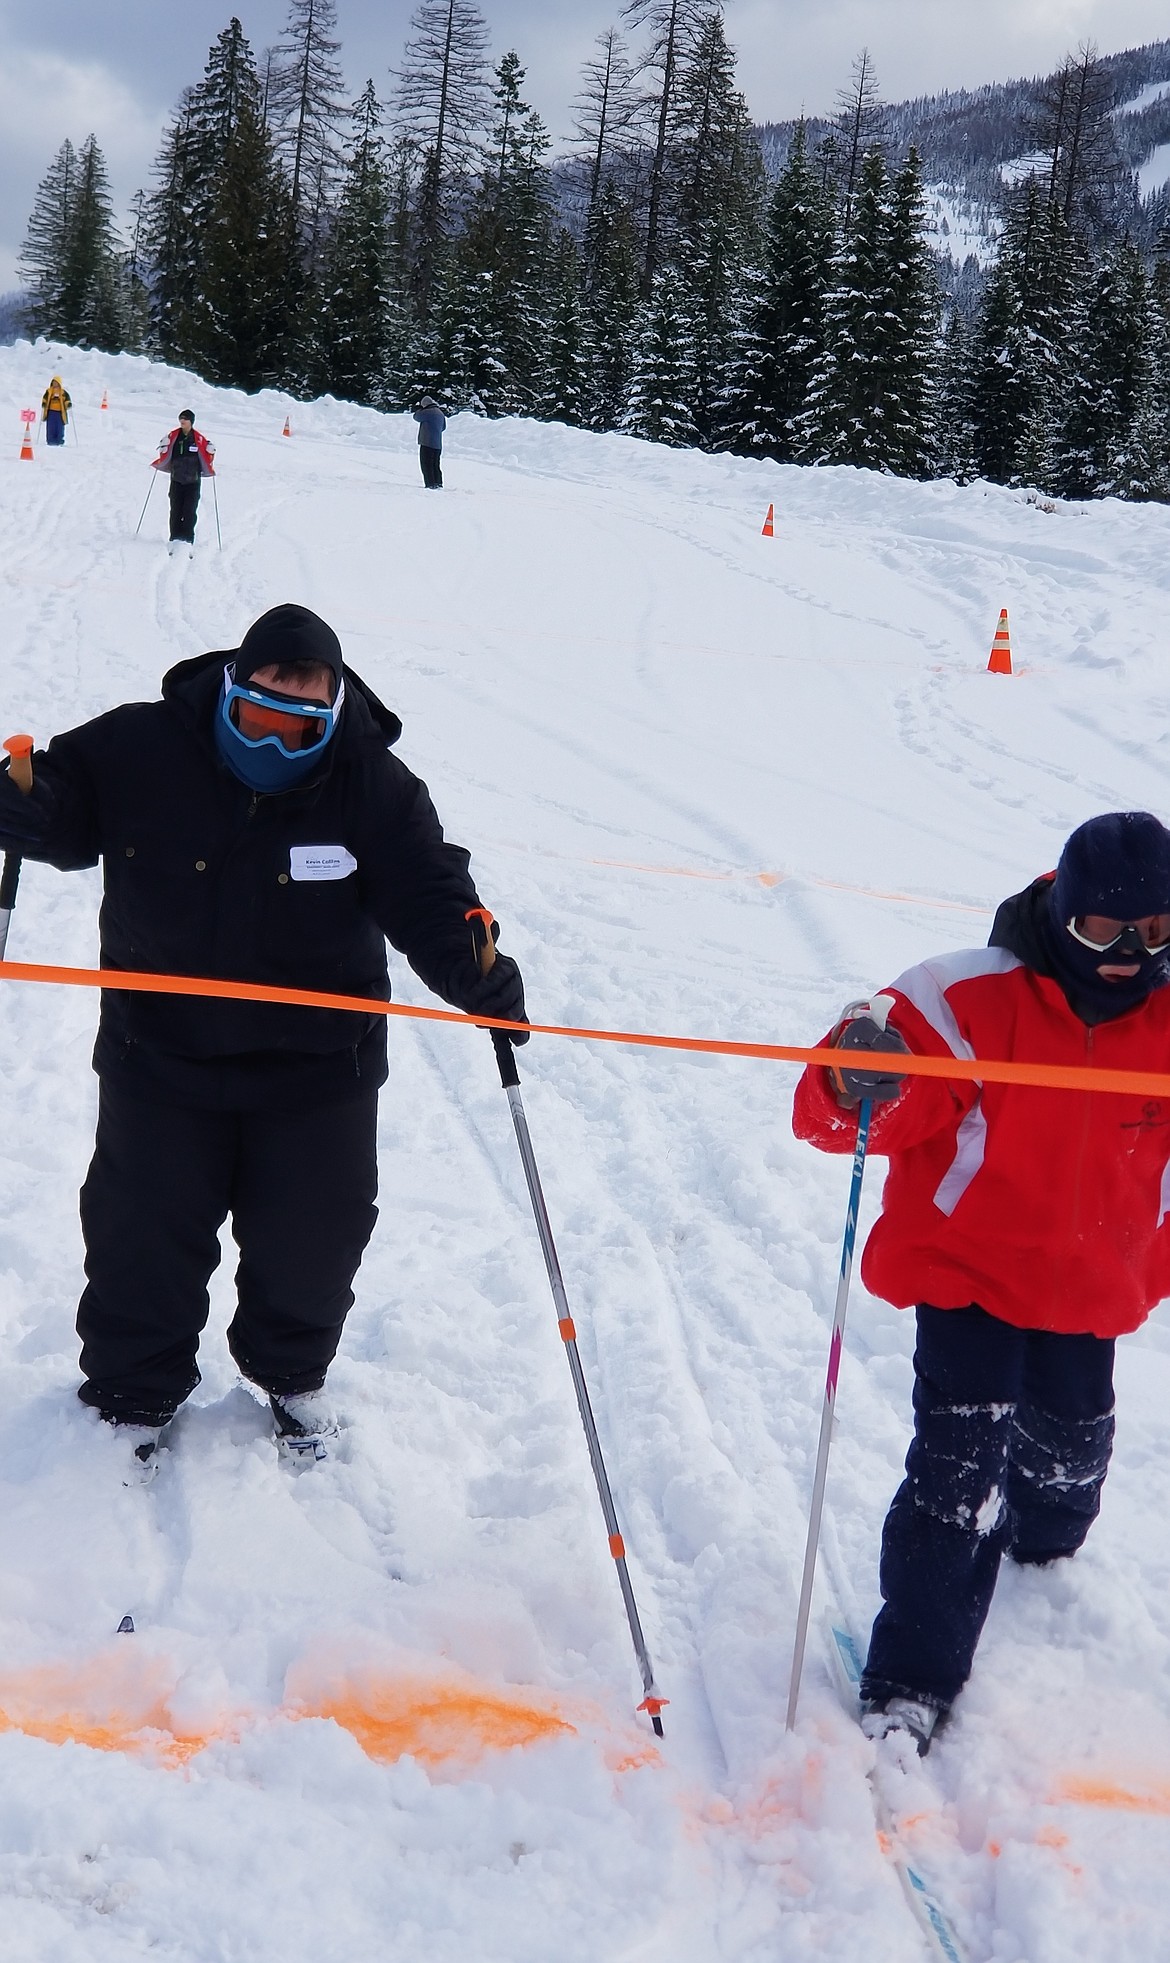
(431, 424)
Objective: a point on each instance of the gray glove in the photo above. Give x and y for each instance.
(864, 1027)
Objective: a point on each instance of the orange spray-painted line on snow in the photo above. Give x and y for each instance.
(119, 1702)
(950, 1069)
(1103, 1792)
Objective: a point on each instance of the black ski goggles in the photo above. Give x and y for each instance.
(1127, 938)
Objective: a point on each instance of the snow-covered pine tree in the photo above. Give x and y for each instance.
(561, 393)
(441, 105)
(910, 358)
(955, 452)
(846, 418)
(662, 387)
(782, 332)
(42, 256)
(305, 108)
(171, 230)
(92, 283)
(508, 239)
(717, 195)
(360, 303)
(240, 326)
(611, 261)
(1025, 343)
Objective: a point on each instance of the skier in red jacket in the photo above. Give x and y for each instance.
(1028, 1228)
(187, 458)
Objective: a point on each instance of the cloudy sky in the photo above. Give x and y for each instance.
(117, 66)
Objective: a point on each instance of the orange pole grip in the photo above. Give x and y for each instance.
(20, 749)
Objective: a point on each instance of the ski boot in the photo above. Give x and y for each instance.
(303, 1422)
(914, 1717)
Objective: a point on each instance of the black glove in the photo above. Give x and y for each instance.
(498, 993)
(859, 1030)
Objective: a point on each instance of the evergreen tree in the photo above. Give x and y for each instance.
(611, 260)
(240, 325)
(442, 98)
(42, 257)
(847, 419)
(561, 387)
(910, 355)
(955, 452)
(73, 259)
(719, 178)
(1024, 343)
(508, 240)
(304, 107)
(359, 299)
(662, 388)
(782, 333)
(189, 174)
(170, 230)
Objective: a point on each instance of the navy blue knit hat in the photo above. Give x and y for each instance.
(1117, 865)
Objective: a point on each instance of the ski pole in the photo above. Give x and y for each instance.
(20, 749)
(485, 949)
(215, 495)
(146, 500)
(865, 1110)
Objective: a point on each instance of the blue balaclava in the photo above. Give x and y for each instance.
(1117, 865)
(285, 633)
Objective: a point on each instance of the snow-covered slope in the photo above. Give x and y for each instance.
(715, 784)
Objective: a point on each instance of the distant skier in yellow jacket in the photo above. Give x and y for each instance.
(55, 407)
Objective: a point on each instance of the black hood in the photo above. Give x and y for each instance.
(193, 688)
(1025, 926)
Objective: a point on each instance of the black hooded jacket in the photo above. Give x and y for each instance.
(206, 877)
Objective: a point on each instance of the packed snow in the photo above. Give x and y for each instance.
(715, 784)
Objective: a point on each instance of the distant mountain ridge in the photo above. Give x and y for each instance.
(970, 138)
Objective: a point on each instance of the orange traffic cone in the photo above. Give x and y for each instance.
(286, 430)
(768, 528)
(1001, 648)
(26, 448)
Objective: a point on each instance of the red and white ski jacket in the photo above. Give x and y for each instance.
(1048, 1208)
(205, 449)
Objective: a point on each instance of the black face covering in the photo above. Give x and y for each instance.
(1076, 968)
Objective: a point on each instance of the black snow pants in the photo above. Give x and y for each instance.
(432, 468)
(1013, 1430)
(300, 1188)
(184, 506)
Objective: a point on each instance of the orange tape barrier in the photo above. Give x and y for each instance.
(980, 1070)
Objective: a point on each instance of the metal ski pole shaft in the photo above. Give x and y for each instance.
(652, 1702)
(215, 495)
(19, 749)
(146, 501)
(820, 1475)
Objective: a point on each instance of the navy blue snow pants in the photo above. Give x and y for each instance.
(1013, 1429)
(300, 1188)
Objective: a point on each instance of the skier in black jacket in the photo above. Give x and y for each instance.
(253, 826)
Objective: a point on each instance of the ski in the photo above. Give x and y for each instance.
(924, 1903)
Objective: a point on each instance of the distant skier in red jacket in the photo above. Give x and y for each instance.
(1027, 1227)
(187, 458)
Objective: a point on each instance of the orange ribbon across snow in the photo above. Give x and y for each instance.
(1041, 1076)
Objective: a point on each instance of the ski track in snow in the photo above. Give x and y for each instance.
(713, 784)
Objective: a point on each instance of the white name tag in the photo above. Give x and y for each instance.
(321, 862)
